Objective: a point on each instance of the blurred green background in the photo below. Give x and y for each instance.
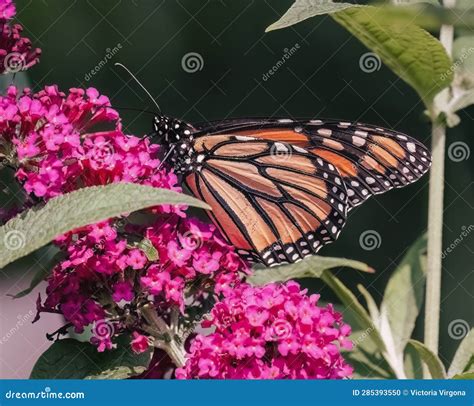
(322, 79)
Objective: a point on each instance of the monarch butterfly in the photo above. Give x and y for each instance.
(281, 189)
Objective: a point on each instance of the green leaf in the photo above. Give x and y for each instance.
(411, 2)
(463, 53)
(371, 305)
(44, 269)
(465, 375)
(36, 227)
(465, 4)
(118, 373)
(434, 364)
(368, 364)
(463, 355)
(353, 306)
(411, 52)
(413, 364)
(71, 359)
(304, 9)
(406, 286)
(311, 267)
(148, 249)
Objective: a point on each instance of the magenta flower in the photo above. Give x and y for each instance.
(140, 343)
(7, 9)
(16, 52)
(50, 139)
(123, 291)
(269, 332)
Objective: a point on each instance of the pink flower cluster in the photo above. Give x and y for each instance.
(16, 51)
(112, 273)
(270, 332)
(106, 275)
(46, 129)
(102, 265)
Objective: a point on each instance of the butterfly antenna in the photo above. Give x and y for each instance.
(140, 84)
(166, 156)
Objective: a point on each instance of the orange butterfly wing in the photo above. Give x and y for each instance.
(275, 202)
(371, 160)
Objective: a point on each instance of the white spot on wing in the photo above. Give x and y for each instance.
(243, 138)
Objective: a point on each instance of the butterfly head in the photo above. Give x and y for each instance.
(177, 138)
(171, 130)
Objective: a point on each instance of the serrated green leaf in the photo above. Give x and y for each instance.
(411, 52)
(465, 375)
(71, 359)
(463, 355)
(353, 306)
(304, 9)
(311, 267)
(406, 286)
(37, 227)
(434, 364)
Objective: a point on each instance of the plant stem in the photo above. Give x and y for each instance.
(435, 209)
(435, 225)
(159, 329)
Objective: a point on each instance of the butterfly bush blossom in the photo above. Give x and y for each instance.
(16, 51)
(274, 331)
(126, 275)
(106, 276)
